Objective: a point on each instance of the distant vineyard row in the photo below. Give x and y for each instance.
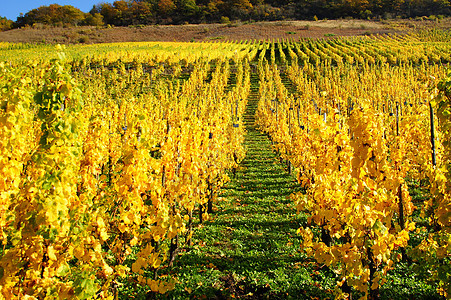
(424, 47)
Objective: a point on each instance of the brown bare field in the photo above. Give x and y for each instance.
(216, 32)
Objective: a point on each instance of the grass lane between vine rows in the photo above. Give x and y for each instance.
(249, 248)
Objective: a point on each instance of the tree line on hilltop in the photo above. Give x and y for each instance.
(146, 12)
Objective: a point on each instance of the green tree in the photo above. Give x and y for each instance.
(109, 13)
(187, 10)
(355, 8)
(240, 9)
(95, 19)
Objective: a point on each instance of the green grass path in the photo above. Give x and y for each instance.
(249, 248)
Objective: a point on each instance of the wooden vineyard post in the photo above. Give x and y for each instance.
(202, 208)
(299, 117)
(201, 212)
(163, 184)
(374, 294)
(401, 218)
(124, 128)
(110, 161)
(289, 120)
(272, 108)
(289, 165)
(349, 108)
(188, 239)
(397, 119)
(431, 114)
(189, 230)
(210, 191)
(210, 198)
(174, 247)
(400, 199)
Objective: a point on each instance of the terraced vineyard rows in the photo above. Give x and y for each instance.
(160, 170)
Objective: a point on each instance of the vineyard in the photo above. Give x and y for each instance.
(253, 170)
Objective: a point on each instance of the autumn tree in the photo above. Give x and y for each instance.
(165, 7)
(53, 14)
(141, 13)
(5, 24)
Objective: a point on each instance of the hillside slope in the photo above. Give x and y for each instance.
(207, 32)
